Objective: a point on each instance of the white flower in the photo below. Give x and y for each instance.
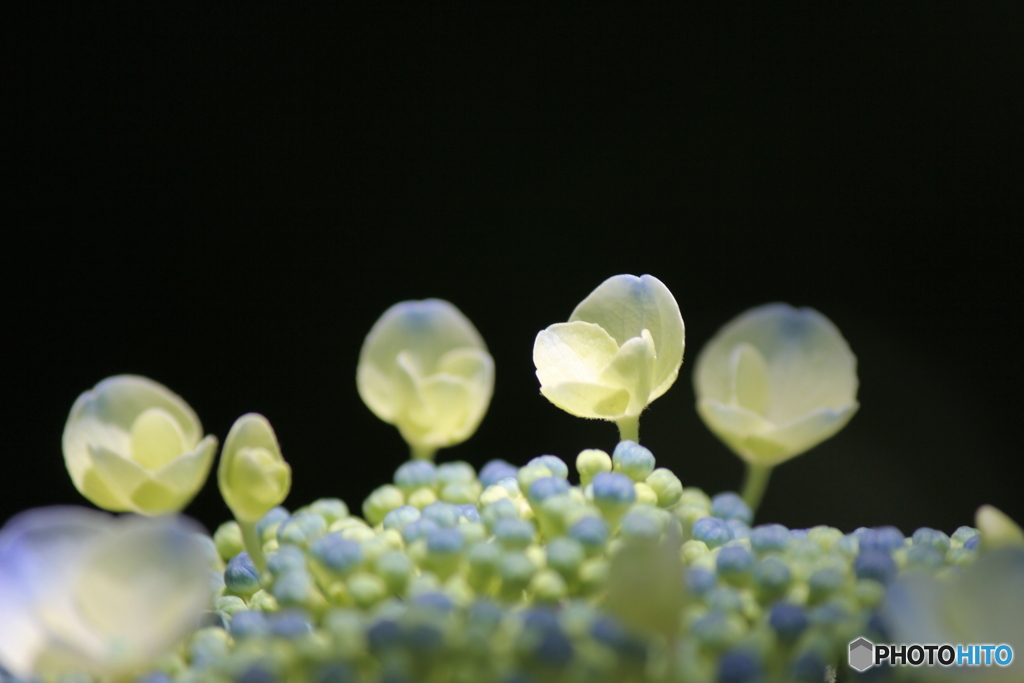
(775, 382)
(82, 591)
(621, 349)
(425, 369)
(131, 444)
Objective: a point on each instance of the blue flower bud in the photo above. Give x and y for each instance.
(973, 542)
(287, 557)
(546, 487)
(400, 516)
(718, 628)
(301, 529)
(768, 537)
(613, 487)
(415, 474)
(798, 533)
(484, 613)
(738, 529)
(155, 677)
(435, 601)
(932, 538)
(275, 515)
(772, 577)
(788, 621)
(241, 576)
(883, 538)
(565, 555)
(444, 542)
(700, 581)
(875, 564)
(384, 633)
(418, 529)
(830, 614)
(738, 666)
(514, 533)
(728, 506)
(633, 460)
(712, 530)
(962, 534)
(733, 562)
(455, 472)
(257, 673)
(422, 638)
(500, 509)
(444, 515)
(292, 587)
(809, 667)
(249, 625)
(554, 463)
(847, 545)
(468, 512)
(289, 623)
(609, 631)
(337, 554)
(548, 644)
(495, 470)
(591, 532)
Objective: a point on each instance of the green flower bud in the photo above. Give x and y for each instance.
(422, 497)
(229, 604)
(593, 575)
(396, 569)
(645, 494)
(252, 475)
(997, 529)
(590, 462)
(548, 586)
(516, 570)
(331, 509)
(530, 474)
(263, 601)
(228, 539)
(382, 501)
(461, 492)
(666, 486)
(132, 445)
(366, 589)
(825, 536)
(695, 496)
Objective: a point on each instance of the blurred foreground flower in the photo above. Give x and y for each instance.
(983, 605)
(425, 369)
(81, 591)
(253, 476)
(621, 349)
(130, 444)
(773, 383)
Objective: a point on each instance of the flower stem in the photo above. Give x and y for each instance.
(629, 428)
(253, 545)
(755, 484)
(422, 452)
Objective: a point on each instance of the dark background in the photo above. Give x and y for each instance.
(226, 200)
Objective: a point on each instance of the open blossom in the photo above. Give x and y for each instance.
(253, 476)
(130, 444)
(84, 592)
(775, 382)
(621, 349)
(425, 369)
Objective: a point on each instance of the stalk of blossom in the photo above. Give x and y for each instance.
(130, 444)
(621, 349)
(425, 369)
(84, 592)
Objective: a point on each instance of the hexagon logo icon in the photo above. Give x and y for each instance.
(862, 654)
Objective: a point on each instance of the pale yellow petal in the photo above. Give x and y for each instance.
(632, 369)
(750, 387)
(572, 352)
(799, 436)
(156, 439)
(732, 424)
(588, 400)
(120, 475)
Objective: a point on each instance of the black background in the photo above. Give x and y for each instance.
(226, 199)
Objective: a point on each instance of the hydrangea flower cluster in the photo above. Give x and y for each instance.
(534, 572)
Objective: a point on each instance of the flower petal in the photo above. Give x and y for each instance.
(625, 305)
(590, 400)
(733, 424)
(632, 369)
(572, 352)
(120, 475)
(750, 386)
(800, 435)
(119, 400)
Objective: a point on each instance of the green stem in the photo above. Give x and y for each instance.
(755, 484)
(253, 545)
(629, 428)
(422, 452)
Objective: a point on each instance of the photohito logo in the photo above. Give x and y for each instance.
(864, 654)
